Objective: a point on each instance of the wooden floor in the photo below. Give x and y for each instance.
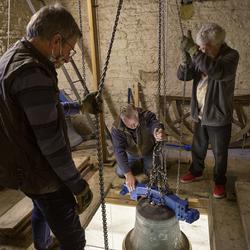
(225, 216)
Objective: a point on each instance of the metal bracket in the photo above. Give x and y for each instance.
(169, 200)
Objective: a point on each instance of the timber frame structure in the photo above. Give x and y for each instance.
(175, 109)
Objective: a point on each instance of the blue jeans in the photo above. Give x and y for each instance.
(56, 211)
(138, 164)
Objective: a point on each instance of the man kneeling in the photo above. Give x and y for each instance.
(134, 135)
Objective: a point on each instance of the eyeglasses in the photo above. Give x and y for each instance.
(72, 51)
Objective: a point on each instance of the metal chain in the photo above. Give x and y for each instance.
(105, 68)
(164, 52)
(98, 132)
(159, 56)
(183, 102)
(82, 45)
(158, 174)
(101, 182)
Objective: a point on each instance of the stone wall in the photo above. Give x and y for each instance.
(19, 17)
(134, 55)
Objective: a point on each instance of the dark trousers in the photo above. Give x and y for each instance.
(219, 138)
(56, 211)
(137, 164)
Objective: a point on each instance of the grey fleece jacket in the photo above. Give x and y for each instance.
(221, 71)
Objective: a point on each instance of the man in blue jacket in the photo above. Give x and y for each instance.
(212, 65)
(134, 135)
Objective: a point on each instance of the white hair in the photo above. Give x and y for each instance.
(211, 33)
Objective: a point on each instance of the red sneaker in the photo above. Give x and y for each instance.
(219, 191)
(189, 177)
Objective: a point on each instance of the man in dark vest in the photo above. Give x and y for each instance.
(212, 65)
(134, 135)
(32, 118)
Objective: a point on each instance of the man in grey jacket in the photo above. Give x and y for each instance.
(212, 65)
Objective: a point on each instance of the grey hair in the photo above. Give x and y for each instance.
(128, 112)
(211, 33)
(50, 20)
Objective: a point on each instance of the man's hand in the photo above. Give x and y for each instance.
(188, 44)
(130, 181)
(91, 104)
(159, 134)
(83, 199)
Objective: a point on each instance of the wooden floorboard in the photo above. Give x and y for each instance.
(243, 199)
(225, 228)
(8, 198)
(16, 215)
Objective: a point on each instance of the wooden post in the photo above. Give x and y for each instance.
(136, 94)
(96, 65)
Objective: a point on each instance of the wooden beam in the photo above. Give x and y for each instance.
(96, 66)
(136, 94)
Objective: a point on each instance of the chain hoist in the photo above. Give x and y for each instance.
(158, 174)
(98, 132)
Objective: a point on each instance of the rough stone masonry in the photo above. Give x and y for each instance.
(135, 52)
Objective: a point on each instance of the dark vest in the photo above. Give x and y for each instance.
(25, 167)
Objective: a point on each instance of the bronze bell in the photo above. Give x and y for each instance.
(156, 228)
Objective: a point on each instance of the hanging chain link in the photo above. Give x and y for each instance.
(159, 174)
(164, 52)
(159, 57)
(98, 131)
(183, 102)
(105, 68)
(81, 43)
